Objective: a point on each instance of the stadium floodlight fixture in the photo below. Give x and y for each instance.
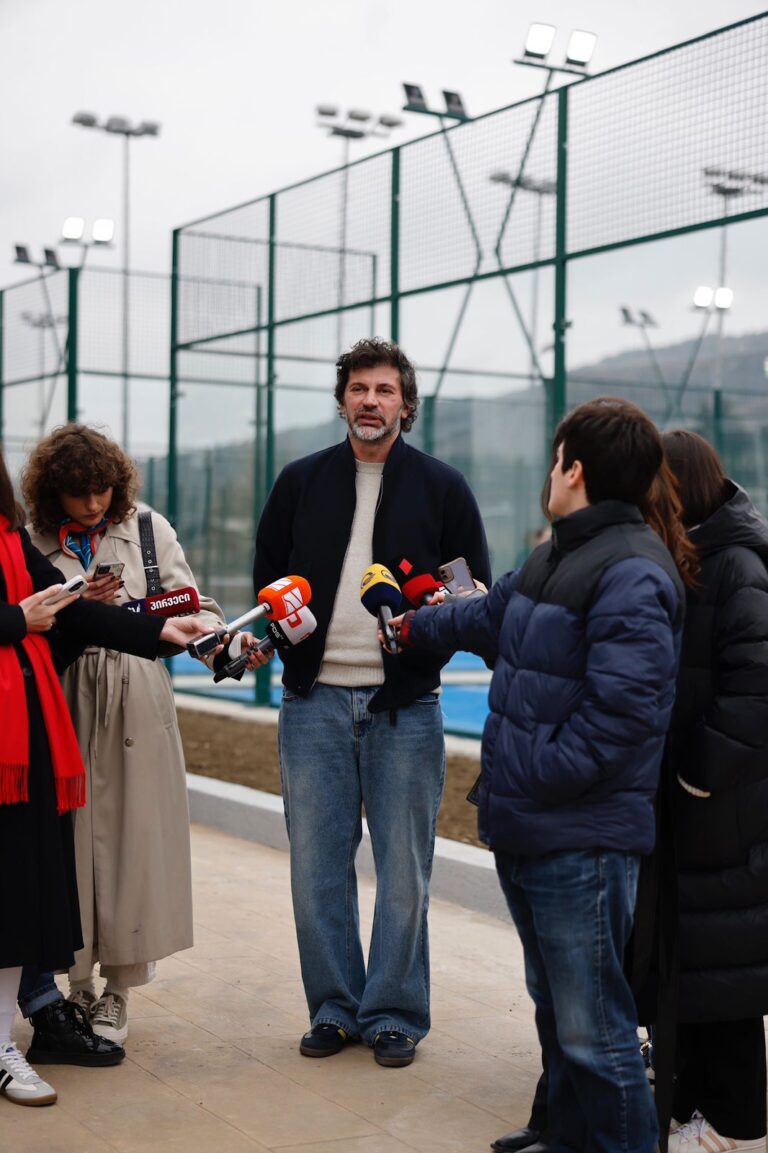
(118, 124)
(359, 115)
(454, 105)
(723, 298)
(390, 122)
(414, 99)
(103, 231)
(73, 229)
(147, 128)
(327, 110)
(646, 319)
(703, 296)
(539, 41)
(50, 258)
(527, 183)
(626, 315)
(538, 45)
(86, 120)
(581, 47)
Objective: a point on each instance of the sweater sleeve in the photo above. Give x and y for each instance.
(471, 625)
(631, 666)
(728, 747)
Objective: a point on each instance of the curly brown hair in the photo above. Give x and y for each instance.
(76, 459)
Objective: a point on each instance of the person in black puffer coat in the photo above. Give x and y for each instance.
(718, 749)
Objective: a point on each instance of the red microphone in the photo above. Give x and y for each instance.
(278, 600)
(419, 589)
(177, 603)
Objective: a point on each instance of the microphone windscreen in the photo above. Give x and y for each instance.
(292, 630)
(177, 603)
(418, 587)
(378, 588)
(285, 596)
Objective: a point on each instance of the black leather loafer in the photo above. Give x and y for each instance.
(527, 1139)
(323, 1041)
(393, 1049)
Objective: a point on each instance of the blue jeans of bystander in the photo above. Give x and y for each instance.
(573, 911)
(36, 990)
(335, 757)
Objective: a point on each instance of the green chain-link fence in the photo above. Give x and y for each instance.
(525, 260)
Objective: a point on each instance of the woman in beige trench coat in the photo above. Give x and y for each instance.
(132, 838)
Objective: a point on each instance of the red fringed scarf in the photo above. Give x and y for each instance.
(68, 769)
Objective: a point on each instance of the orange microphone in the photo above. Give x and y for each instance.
(278, 600)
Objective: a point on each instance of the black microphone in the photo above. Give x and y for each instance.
(281, 634)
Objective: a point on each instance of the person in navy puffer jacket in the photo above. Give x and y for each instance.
(584, 640)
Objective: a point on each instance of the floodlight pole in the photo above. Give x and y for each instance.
(126, 284)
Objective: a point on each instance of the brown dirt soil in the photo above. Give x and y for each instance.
(246, 753)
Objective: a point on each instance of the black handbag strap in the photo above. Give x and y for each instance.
(149, 554)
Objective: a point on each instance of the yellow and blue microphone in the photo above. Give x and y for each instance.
(381, 596)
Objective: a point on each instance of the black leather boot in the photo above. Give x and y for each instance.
(63, 1036)
(525, 1140)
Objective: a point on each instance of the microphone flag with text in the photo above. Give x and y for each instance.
(280, 599)
(381, 596)
(177, 603)
(281, 634)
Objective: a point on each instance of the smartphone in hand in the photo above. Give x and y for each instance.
(75, 584)
(113, 569)
(456, 576)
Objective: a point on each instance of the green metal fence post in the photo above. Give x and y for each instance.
(173, 395)
(2, 378)
(271, 338)
(394, 248)
(557, 393)
(718, 440)
(264, 674)
(73, 285)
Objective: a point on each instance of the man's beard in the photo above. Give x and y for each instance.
(371, 433)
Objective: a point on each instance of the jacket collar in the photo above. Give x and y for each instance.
(570, 532)
(395, 454)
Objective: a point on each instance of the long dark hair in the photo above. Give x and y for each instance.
(662, 509)
(701, 481)
(9, 506)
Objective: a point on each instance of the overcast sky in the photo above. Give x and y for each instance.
(234, 85)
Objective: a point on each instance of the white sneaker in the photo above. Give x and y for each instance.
(109, 1017)
(698, 1136)
(20, 1082)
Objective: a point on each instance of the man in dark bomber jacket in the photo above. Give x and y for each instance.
(358, 726)
(585, 641)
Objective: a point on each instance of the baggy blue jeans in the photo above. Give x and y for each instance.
(573, 911)
(335, 757)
